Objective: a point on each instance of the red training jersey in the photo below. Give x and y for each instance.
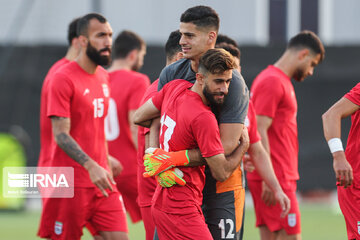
(186, 123)
(353, 144)
(127, 89)
(146, 186)
(273, 96)
(84, 98)
(46, 134)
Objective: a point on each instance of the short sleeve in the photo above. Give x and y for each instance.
(139, 89)
(164, 78)
(158, 98)
(253, 133)
(266, 96)
(207, 134)
(59, 99)
(236, 103)
(354, 95)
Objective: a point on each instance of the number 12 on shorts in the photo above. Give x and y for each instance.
(222, 224)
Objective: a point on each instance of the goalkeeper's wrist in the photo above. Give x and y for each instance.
(180, 158)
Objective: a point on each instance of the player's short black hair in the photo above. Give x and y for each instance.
(125, 42)
(72, 30)
(172, 45)
(83, 23)
(216, 61)
(222, 38)
(234, 51)
(307, 39)
(201, 16)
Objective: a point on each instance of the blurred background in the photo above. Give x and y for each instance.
(33, 37)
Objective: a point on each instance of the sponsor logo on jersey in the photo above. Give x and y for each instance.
(105, 90)
(87, 91)
(58, 227)
(292, 219)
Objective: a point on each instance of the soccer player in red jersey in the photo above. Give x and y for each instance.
(147, 186)
(275, 104)
(46, 136)
(183, 129)
(77, 105)
(127, 89)
(346, 164)
(258, 157)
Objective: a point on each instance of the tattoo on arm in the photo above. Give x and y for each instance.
(61, 128)
(69, 145)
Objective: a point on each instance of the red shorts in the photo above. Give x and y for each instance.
(175, 226)
(64, 218)
(349, 201)
(148, 222)
(270, 215)
(128, 188)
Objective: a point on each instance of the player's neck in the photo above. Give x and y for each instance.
(85, 63)
(286, 64)
(72, 53)
(195, 65)
(119, 64)
(198, 89)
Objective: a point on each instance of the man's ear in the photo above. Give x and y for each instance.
(200, 78)
(212, 37)
(83, 41)
(303, 53)
(133, 55)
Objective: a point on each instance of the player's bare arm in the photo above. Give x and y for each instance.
(98, 175)
(261, 160)
(332, 129)
(145, 113)
(230, 134)
(133, 128)
(222, 166)
(263, 124)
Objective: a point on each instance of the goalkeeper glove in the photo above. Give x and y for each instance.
(170, 178)
(160, 161)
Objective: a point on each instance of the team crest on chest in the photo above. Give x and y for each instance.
(58, 228)
(292, 219)
(105, 90)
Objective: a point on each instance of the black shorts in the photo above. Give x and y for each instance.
(224, 214)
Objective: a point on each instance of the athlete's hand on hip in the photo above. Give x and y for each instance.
(160, 161)
(284, 202)
(267, 195)
(100, 177)
(170, 178)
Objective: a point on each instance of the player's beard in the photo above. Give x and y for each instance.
(96, 57)
(299, 75)
(136, 67)
(211, 97)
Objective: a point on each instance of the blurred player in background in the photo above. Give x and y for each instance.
(147, 186)
(77, 105)
(258, 155)
(46, 136)
(275, 104)
(346, 164)
(127, 89)
(189, 123)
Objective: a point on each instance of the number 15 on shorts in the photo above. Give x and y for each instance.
(227, 234)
